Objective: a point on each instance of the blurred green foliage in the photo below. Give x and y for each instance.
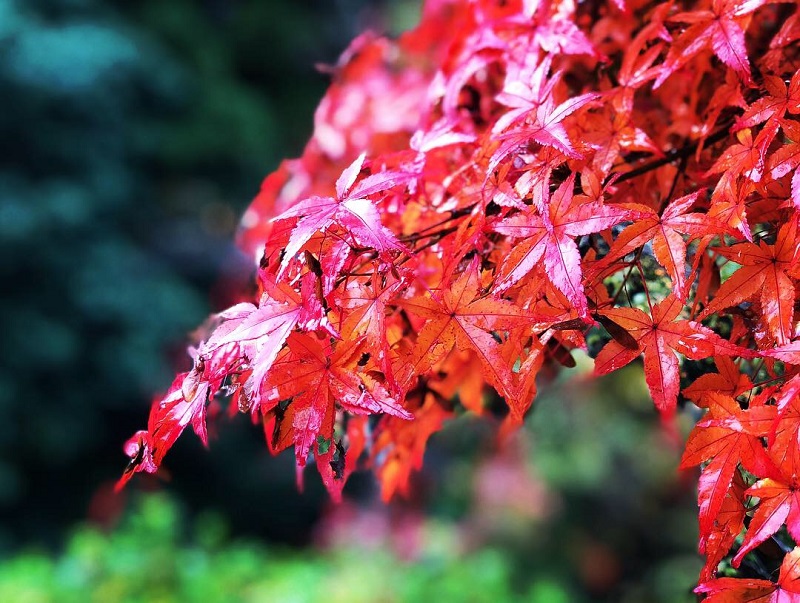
(144, 560)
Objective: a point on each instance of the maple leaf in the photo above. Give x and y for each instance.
(336, 460)
(479, 50)
(556, 33)
(184, 404)
(258, 333)
(664, 232)
(729, 381)
(763, 273)
(316, 377)
(779, 46)
(728, 204)
(727, 436)
(186, 400)
(554, 30)
(609, 135)
(639, 55)
(351, 209)
(534, 115)
(659, 337)
(789, 353)
(779, 503)
(719, 28)
(780, 99)
(728, 522)
(787, 159)
(460, 374)
(733, 590)
(363, 307)
(461, 316)
(783, 443)
(139, 448)
(400, 445)
(549, 237)
(441, 134)
(747, 158)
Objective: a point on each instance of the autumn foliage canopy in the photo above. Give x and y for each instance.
(486, 192)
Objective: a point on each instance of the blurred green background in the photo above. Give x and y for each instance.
(134, 135)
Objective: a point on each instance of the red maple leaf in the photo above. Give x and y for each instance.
(247, 339)
(747, 158)
(780, 100)
(665, 233)
(719, 28)
(727, 436)
(351, 209)
(764, 274)
(534, 115)
(735, 590)
(611, 133)
(184, 404)
(779, 504)
(400, 445)
(462, 316)
(659, 337)
(728, 522)
(789, 353)
(786, 159)
(729, 381)
(781, 43)
(548, 236)
(309, 380)
(363, 315)
(784, 437)
(257, 333)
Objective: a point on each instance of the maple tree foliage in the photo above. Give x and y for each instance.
(485, 191)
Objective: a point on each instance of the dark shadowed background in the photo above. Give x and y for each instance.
(133, 136)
